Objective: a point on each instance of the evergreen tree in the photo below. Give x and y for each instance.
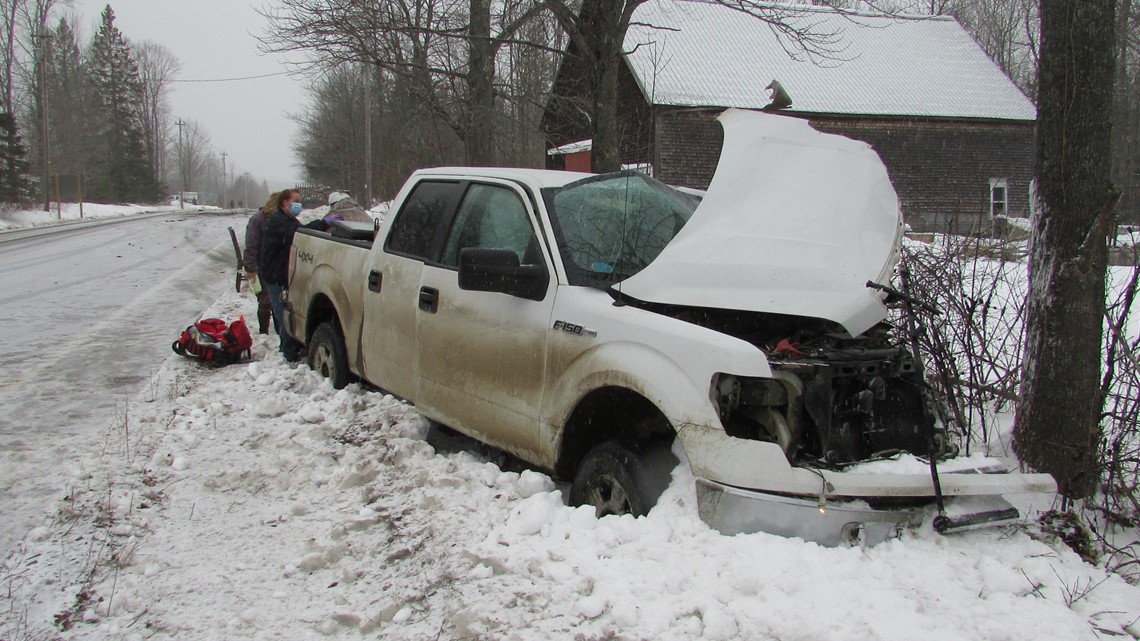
(69, 115)
(14, 184)
(120, 170)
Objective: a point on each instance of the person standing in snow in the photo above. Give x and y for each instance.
(254, 230)
(273, 261)
(341, 204)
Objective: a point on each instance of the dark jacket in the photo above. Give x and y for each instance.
(254, 230)
(273, 255)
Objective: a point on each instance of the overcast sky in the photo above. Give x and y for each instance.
(248, 119)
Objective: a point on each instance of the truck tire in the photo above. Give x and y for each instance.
(619, 477)
(327, 355)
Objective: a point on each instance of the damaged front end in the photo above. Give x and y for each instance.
(792, 249)
(829, 404)
(833, 405)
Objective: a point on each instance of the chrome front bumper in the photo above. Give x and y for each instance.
(731, 510)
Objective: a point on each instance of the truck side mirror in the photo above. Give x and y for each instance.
(498, 270)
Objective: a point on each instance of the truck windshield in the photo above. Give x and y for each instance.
(610, 227)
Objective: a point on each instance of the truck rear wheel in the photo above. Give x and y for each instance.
(622, 477)
(327, 355)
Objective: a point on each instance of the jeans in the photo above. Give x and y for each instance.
(290, 348)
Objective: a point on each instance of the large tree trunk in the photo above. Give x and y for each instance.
(1058, 419)
(479, 129)
(605, 23)
(606, 151)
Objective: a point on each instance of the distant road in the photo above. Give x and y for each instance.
(89, 311)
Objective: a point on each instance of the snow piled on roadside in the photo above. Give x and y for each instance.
(256, 502)
(69, 213)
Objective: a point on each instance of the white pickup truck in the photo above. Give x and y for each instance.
(584, 323)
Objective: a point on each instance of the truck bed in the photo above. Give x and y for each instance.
(325, 262)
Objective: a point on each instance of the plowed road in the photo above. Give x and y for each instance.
(87, 313)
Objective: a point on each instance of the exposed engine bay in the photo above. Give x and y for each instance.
(833, 400)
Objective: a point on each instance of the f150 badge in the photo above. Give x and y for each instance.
(571, 328)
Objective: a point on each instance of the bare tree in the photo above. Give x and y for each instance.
(1007, 31)
(430, 43)
(526, 75)
(158, 67)
(331, 129)
(9, 28)
(1058, 420)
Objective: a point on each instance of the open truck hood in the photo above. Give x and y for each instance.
(794, 222)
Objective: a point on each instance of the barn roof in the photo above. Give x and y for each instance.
(692, 53)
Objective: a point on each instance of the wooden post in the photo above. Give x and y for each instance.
(79, 182)
(58, 200)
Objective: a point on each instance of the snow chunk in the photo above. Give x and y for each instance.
(270, 407)
(481, 571)
(403, 614)
(311, 413)
(590, 607)
(531, 483)
(719, 623)
(534, 513)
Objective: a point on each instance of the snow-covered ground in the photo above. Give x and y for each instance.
(70, 213)
(255, 502)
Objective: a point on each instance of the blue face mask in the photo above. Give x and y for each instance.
(295, 209)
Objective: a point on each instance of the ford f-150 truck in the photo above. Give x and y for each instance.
(584, 323)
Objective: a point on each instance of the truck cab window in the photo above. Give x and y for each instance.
(418, 223)
(490, 217)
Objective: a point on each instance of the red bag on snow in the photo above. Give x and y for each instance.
(211, 341)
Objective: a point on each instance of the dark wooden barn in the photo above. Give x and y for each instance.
(956, 135)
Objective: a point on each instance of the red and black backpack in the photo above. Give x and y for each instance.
(211, 341)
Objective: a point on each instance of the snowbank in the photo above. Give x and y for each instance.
(69, 212)
(256, 502)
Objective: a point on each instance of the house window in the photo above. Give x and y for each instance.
(999, 197)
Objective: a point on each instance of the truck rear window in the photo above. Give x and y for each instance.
(418, 223)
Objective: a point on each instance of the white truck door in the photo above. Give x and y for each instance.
(483, 359)
(392, 296)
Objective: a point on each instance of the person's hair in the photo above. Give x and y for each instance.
(270, 205)
(285, 195)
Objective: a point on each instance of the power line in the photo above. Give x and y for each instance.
(264, 75)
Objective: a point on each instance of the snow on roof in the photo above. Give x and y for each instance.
(698, 54)
(572, 148)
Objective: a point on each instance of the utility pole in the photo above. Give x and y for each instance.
(181, 165)
(224, 181)
(44, 38)
(367, 138)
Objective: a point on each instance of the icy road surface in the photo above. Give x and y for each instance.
(88, 313)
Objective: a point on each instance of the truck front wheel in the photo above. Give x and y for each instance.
(327, 355)
(622, 477)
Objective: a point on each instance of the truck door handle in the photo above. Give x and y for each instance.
(429, 299)
(374, 280)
